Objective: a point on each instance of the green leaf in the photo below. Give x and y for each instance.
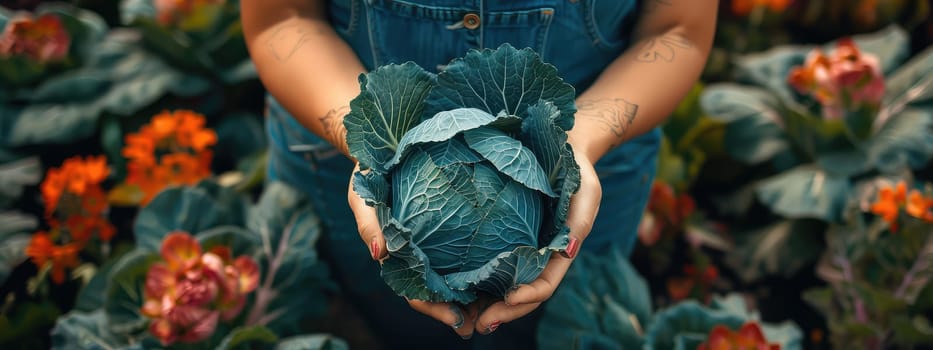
(912, 330)
(613, 306)
(15, 233)
(510, 157)
(312, 342)
(779, 249)
(288, 230)
(505, 271)
(911, 84)
(805, 192)
(688, 319)
(15, 176)
(390, 103)
(504, 79)
(93, 295)
(754, 131)
(242, 336)
(190, 209)
(87, 331)
(905, 140)
(441, 127)
(124, 296)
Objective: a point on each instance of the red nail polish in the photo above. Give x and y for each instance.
(374, 249)
(493, 327)
(572, 247)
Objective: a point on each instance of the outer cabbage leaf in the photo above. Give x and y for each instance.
(505, 79)
(390, 103)
(441, 127)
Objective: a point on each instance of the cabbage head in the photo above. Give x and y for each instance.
(469, 170)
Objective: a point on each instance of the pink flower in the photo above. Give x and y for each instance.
(189, 291)
(846, 80)
(42, 39)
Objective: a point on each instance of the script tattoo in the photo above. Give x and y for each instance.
(615, 113)
(334, 130)
(286, 40)
(662, 49)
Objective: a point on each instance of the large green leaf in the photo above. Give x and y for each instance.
(905, 141)
(124, 296)
(118, 78)
(312, 342)
(15, 234)
(612, 303)
(288, 230)
(441, 127)
(754, 130)
(243, 336)
(510, 157)
(88, 331)
(504, 79)
(806, 192)
(779, 249)
(390, 103)
(911, 84)
(15, 176)
(687, 321)
(191, 209)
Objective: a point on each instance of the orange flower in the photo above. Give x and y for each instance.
(76, 177)
(41, 251)
(919, 206)
(82, 228)
(749, 337)
(170, 150)
(745, 7)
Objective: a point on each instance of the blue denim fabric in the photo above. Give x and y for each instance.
(579, 37)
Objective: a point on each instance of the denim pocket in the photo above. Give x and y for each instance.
(606, 28)
(346, 16)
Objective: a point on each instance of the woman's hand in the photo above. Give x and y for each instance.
(460, 319)
(520, 301)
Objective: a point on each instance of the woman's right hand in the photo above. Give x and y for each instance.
(460, 319)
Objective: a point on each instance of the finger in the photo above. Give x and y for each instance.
(542, 287)
(584, 205)
(447, 313)
(367, 224)
(499, 313)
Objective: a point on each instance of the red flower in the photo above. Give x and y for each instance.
(846, 80)
(749, 337)
(42, 39)
(189, 291)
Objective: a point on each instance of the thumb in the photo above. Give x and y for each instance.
(367, 223)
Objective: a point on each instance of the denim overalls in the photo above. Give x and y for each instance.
(579, 37)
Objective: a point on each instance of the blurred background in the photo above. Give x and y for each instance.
(793, 205)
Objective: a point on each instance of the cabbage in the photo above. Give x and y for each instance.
(469, 171)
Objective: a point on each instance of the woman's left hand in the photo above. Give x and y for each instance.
(519, 302)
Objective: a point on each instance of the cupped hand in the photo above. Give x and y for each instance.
(461, 319)
(526, 298)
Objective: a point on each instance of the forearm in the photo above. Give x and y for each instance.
(643, 86)
(303, 63)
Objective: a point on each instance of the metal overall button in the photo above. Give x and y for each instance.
(471, 21)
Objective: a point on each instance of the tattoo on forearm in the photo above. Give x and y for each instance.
(662, 49)
(287, 39)
(334, 130)
(615, 114)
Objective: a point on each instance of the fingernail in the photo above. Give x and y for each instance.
(572, 247)
(459, 322)
(492, 327)
(374, 249)
(467, 337)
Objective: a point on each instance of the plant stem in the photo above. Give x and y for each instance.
(923, 262)
(265, 294)
(860, 313)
